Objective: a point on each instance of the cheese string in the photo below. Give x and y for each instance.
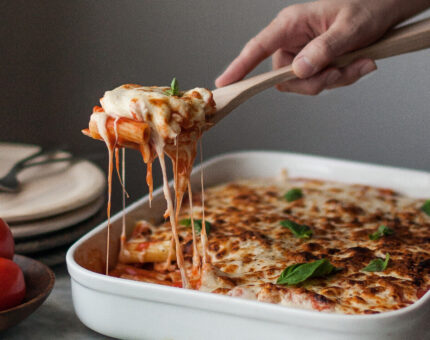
(175, 172)
(149, 181)
(175, 179)
(109, 206)
(196, 256)
(175, 183)
(101, 121)
(173, 222)
(203, 233)
(121, 178)
(123, 199)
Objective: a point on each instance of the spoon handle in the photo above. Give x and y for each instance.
(408, 38)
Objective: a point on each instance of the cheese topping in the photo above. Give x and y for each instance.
(167, 115)
(249, 248)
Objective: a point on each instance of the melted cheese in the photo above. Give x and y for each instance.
(176, 124)
(167, 115)
(248, 248)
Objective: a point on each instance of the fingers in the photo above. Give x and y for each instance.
(255, 51)
(354, 72)
(313, 85)
(329, 78)
(319, 52)
(319, 32)
(345, 34)
(281, 58)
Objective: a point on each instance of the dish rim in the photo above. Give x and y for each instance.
(101, 282)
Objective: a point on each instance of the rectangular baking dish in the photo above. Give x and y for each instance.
(135, 310)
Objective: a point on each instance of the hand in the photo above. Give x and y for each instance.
(311, 35)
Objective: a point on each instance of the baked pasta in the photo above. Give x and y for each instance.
(299, 242)
(156, 121)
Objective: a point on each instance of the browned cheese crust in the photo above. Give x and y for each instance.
(249, 248)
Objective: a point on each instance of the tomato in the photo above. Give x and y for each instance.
(7, 245)
(12, 284)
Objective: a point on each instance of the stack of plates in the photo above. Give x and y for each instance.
(58, 203)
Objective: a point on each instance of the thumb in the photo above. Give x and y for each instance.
(320, 52)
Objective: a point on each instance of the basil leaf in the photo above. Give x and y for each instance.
(290, 269)
(174, 88)
(293, 195)
(298, 230)
(382, 231)
(300, 272)
(377, 265)
(426, 207)
(187, 222)
(197, 225)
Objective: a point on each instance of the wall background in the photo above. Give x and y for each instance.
(58, 57)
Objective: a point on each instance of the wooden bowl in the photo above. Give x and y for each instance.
(39, 281)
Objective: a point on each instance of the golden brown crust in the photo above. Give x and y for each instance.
(249, 248)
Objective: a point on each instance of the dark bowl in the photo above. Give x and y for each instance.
(39, 281)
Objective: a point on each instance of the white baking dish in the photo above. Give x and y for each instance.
(134, 310)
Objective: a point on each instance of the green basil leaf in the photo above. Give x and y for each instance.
(197, 225)
(298, 230)
(382, 231)
(300, 272)
(377, 265)
(282, 279)
(187, 222)
(293, 195)
(426, 207)
(174, 88)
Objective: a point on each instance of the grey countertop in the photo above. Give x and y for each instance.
(56, 318)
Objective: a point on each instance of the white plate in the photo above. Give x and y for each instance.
(59, 238)
(55, 223)
(49, 189)
(129, 309)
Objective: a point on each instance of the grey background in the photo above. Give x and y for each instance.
(58, 57)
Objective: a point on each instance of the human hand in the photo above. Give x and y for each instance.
(311, 35)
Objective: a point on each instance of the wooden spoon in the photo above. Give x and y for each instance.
(409, 38)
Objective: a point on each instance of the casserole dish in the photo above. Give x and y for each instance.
(137, 310)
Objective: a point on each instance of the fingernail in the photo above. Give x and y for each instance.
(333, 77)
(303, 67)
(367, 68)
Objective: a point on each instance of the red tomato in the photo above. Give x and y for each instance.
(12, 284)
(7, 245)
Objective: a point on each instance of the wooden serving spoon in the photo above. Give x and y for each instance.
(409, 38)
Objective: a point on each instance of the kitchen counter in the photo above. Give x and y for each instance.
(56, 318)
